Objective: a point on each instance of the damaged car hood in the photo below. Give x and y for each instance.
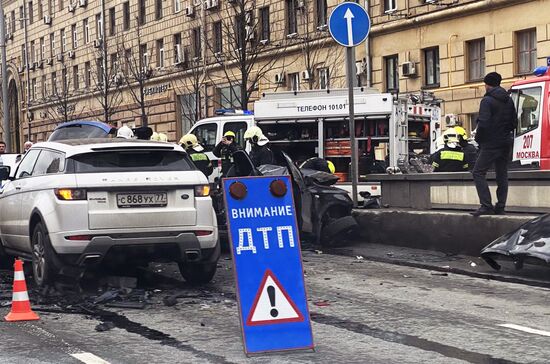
(530, 240)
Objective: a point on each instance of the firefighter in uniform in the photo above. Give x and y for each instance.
(452, 157)
(225, 149)
(260, 153)
(191, 145)
(470, 150)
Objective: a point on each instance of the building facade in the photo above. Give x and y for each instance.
(168, 63)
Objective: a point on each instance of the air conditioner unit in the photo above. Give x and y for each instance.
(9, 36)
(118, 78)
(47, 19)
(59, 57)
(190, 11)
(49, 61)
(408, 69)
(31, 66)
(248, 18)
(305, 75)
(30, 116)
(430, 1)
(82, 3)
(43, 114)
(97, 43)
(360, 68)
(71, 8)
(291, 35)
(39, 64)
(279, 78)
(300, 4)
(71, 54)
(451, 120)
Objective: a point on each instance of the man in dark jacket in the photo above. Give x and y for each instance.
(225, 149)
(260, 153)
(495, 125)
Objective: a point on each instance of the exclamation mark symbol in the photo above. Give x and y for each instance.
(271, 294)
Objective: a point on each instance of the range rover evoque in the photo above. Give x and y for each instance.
(76, 203)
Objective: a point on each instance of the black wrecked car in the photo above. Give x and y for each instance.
(324, 211)
(530, 243)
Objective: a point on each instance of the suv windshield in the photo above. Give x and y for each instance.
(131, 161)
(78, 132)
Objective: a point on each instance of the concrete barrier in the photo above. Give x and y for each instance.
(450, 232)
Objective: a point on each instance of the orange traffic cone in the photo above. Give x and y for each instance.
(20, 305)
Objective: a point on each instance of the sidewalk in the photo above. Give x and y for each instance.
(441, 263)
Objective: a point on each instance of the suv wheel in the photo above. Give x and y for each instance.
(198, 273)
(42, 265)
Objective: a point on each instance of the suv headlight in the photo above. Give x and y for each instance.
(70, 194)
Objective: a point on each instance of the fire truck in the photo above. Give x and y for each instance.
(532, 139)
(314, 123)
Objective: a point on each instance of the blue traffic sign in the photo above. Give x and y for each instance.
(267, 259)
(349, 24)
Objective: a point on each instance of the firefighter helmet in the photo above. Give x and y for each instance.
(190, 141)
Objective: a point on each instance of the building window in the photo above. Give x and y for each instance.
(33, 89)
(240, 30)
(196, 33)
(291, 21)
(160, 53)
(178, 51)
(217, 32)
(33, 50)
(87, 74)
(61, 5)
(177, 6)
(54, 83)
(229, 97)
(76, 83)
(63, 41)
(526, 50)
(52, 45)
(44, 87)
(391, 73)
(99, 70)
(23, 56)
(294, 81)
(144, 56)
(13, 21)
(390, 5)
(158, 9)
(99, 26)
(21, 17)
(42, 48)
(112, 22)
(264, 24)
(431, 66)
(476, 59)
(64, 81)
(74, 33)
(321, 9)
(86, 27)
(323, 76)
(126, 15)
(30, 13)
(141, 13)
(40, 12)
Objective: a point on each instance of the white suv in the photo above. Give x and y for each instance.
(77, 203)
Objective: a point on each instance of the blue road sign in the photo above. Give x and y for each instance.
(268, 264)
(349, 24)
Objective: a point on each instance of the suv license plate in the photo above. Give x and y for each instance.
(159, 199)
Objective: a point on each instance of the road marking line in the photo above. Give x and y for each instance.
(89, 358)
(526, 329)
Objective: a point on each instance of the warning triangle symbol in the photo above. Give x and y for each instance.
(272, 304)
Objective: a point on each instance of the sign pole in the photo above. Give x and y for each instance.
(350, 75)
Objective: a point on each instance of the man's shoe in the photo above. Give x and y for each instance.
(500, 211)
(482, 211)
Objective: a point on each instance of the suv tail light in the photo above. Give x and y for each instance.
(202, 191)
(70, 194)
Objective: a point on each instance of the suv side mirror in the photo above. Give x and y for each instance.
(4, 172)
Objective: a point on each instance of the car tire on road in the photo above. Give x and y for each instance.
(42, 256)
(198, 273)
(338, 228)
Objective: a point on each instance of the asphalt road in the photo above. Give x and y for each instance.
(362, 312)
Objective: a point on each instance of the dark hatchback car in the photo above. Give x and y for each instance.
(82, 130)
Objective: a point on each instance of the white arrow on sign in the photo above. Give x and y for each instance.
(348, 16)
